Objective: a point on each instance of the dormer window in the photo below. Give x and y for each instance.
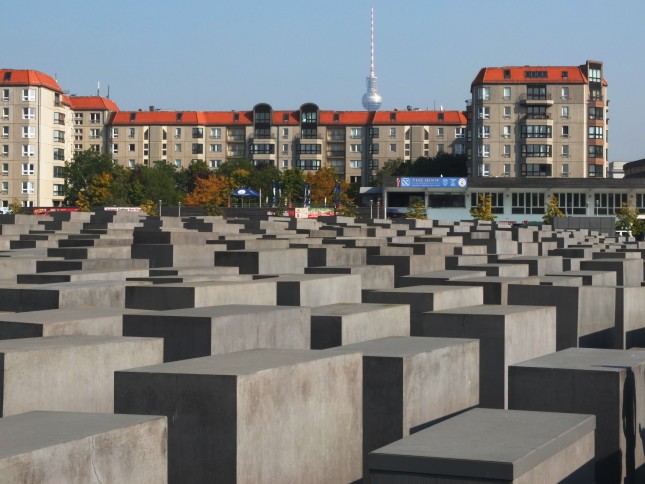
(336, 117)
(133, 116)
(7, 76)
(236, 117)
(285, 118)
(507, 73)
(180, 116)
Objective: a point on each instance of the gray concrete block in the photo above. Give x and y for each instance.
(538, 265)
(427, 298)
(411, 382)
(83, 447)
(585, 315)
(590, 278)
(342, 324)
(205, 331)
(317, 289)
(494, 446)
(267, 261)
(70, 373)
(200, 294)
(254, 416)
(164, 255)
(372, 277)
(405, 265)
(629, 272)
(495, 287)
(507, 335)
(630, 317)
(609, 384)
(437, 277)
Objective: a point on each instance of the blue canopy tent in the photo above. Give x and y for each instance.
(244, 192)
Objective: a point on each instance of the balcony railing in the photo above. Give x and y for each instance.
(538, 116)
(535, 97)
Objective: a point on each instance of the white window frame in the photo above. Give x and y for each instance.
(564, 93)
(5, 94)
(5, 187)
(28, 113)
(131, 163)
(95, 118)
(564, 151)
(5, 113)
(115, 132)
(565, 169)
(27, 188)
(5, 151)
(483, 132)
(285, 147)
(506, 113)
(483, 112)
(28, 150)
(483, 93)
(355, 148)
(5, 131)
(29, 132)
(177, 133)
(440, 133)
(392, 132)
(506, 132)
(216, 133)
(507, 93)
(483, 151)
(506, 151)
(564, 131)
(115, 149)
(483, 169)
(507, 169)
(565, 112)
(29, 95)
(28, 169)
(285, 133)
(356, 164)
(460, 133)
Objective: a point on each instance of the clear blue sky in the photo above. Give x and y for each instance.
(223, 55)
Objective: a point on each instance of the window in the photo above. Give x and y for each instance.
(5, 150)
(373, 132)
(285, 148)
(28, 94)
(483, 132)
(178, 163)
(372, 165)
(594, 75)
(30, 113)
(483, 112)
(459, 149)
(483, 93)
(216, 148)
(59, 154)
(483, 151)
(356, 133)
(565, 92)
(392, 132)
(131, 132)
(96, 148)
(5, 168)
(507, 112)
(483, 169)
(59, 172)
(460, 132)
(27, 168)
(595, 151)
(5, 94)
(507, 93)
(216, 133)
(496, 199)
(5, 131)
(506, 131)
(565, 151)
(59, 136)
(5, 113)
(595, 132)
(536, 131)
(285, 133)
(95, 133)
(308, 164)
(115, 149)
(506, 151)
(507, 73)
(596, 113)
(565, 131)
(565, 112)
(27, 188)
(373, 148)
(198, 132)
(356, 164)
(28, 150)
(266, 148)
(440, 148)
(5, 187)
(95, 118)
(535, 74)
(565, 169)
(355, 148)
(28, 131)
(59, 190)
(131, 163)
(78, 134)
(595, 170)
(78, 147)
(392, 147)
(131, 147)
(177, 132)
(530, 151)
(78, 118)
(537, 92)
(527, 203)
(198, 148)
(439, 133)
(285, 163)
(507, 169)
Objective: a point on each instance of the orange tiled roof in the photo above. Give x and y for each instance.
(327, 118)
(27, 77)
(495, 75)
(91, 103)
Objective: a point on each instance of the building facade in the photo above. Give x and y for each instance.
(539, 121)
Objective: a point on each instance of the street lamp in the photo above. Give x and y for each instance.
(159, 208)
(371, 205)
(179, 209)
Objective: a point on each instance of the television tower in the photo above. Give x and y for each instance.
(372, 99)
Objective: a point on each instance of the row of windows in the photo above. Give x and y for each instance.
(532, 92)
(28, 95)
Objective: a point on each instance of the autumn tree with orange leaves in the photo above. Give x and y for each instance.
(212, 190)
(322, 183)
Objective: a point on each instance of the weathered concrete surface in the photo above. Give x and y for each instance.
(212, 330)
(83, 447)
(70, 373)
(342, 324)
(255, 416)
(317, 289)
(267, 261)
(609, 384)
(410, 382)
(372, 277)
(507, 335)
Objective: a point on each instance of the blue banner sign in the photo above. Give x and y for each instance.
(430, 182)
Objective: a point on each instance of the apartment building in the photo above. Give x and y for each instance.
(539, 121)
(354, 143)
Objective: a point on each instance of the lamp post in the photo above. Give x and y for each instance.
(371, 205)
(597, 203)
(159, 208)
(378, 207)
(179, 209)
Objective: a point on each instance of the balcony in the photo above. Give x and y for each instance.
(235, 153)
(539, 116)
(235, 138)
(262, 136)
(536, 99)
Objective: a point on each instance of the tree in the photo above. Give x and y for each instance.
(213, 190)
(80, 171)
(97, 193)
(627, 219)
(396, 167)
(186, 178)
(159, 183)
(416, 209)
(323, 182)
(484, 208)
(552, 211)
(292, 181)
(444, 164)
(262, 177)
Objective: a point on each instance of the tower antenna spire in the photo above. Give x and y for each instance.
(372, 99)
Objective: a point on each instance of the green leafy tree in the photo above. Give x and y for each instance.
(444, 164)
(261, 179)
(627, 219)
(186, 178)
(416, 209)
(81, 170)
(396, 167)
(15, 207)
(292, 182)
(159, 183)
(484, 208)
(552, 211)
